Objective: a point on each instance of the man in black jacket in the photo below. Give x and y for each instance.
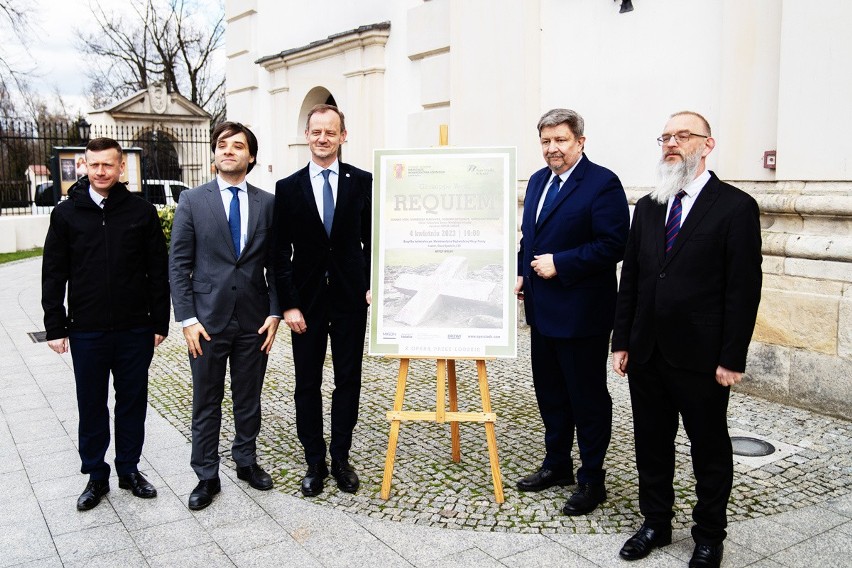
(106, 246)
(322, 270)
(687, 305)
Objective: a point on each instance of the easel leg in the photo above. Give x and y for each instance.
(394, 429)
(454, 407)
(490, 436)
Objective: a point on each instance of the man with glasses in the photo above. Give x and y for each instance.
(687, 304)
(574, 230)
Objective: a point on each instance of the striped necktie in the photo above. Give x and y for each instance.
(673, 224)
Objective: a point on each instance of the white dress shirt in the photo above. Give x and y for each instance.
(692, 190)
(563, 177)
(317, 181)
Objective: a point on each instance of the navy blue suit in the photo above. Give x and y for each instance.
(571, 315)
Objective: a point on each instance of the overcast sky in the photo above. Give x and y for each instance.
(51, 51)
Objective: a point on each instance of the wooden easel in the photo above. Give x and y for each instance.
(446, 378)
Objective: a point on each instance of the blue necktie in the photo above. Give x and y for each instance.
(673, 224)
(550, 197)
(327, 203)
(234, 219)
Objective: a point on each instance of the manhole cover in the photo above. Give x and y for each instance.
(38, 336)
(751, 447)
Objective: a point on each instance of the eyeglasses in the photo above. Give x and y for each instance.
(680, 137)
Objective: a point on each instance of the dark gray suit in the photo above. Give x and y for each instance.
(231, 297)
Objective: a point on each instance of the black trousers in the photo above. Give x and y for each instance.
(248, 367)
(346, 332)
(658, 393)
(569, 376)
(127, 354)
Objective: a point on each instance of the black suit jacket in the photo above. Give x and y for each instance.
(699, 304)
(305, 254)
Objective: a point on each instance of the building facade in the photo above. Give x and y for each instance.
(771, 76)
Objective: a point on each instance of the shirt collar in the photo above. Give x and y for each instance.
(223, 185)
(693, 187)
(563, 177)
(315, 169)
(96, 197)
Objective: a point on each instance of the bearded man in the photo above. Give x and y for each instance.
(687, 304)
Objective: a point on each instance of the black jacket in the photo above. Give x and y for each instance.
(113, 260)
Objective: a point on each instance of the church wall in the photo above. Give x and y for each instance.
(767, 74)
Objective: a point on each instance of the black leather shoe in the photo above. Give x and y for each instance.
(707, 556)
(585, 499)
(140, 486)
(91, 496)
(643, 542)
(312, 482)
(255, 476)
(347, 479)
(203, 493)
(544, 478)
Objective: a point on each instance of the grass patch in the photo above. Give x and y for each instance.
(19, 255)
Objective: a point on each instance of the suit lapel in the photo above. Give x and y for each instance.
(344, 192)
(253, 214)
(658, 224)
(217, 211)
(307, 191)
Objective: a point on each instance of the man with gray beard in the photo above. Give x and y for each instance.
(687, 304)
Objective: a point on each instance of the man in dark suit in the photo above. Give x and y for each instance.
(106, 248)
(574, 229)
(322, 218)
(223, 293)
(690, 287)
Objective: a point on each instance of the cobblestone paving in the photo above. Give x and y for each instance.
(429, 489)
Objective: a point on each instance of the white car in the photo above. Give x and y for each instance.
(162, 191)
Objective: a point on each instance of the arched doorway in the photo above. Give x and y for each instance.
(159, 157)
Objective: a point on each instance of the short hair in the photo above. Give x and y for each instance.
(103, 143)
(696, 115)
(227, 129)
(558, 116)
(325, 108)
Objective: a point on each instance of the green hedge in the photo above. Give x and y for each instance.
(167, 217)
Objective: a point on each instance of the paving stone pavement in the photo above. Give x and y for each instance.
(786, 511)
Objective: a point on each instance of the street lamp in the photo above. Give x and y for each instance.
(84, 129)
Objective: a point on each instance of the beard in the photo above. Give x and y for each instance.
(673, 177)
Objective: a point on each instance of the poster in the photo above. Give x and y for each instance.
(444, 253)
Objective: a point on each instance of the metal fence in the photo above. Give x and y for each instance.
(32, 179)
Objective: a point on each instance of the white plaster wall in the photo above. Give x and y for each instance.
(815, 99)
(768, 74)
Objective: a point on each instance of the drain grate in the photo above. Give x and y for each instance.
(751, 447)
(38, 336)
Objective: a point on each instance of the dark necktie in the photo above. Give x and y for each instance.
(327, 203)
(234, 219)
(673, 224)
(550, 197)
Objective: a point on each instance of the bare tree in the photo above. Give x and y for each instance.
(14, 22)
(162, 42)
